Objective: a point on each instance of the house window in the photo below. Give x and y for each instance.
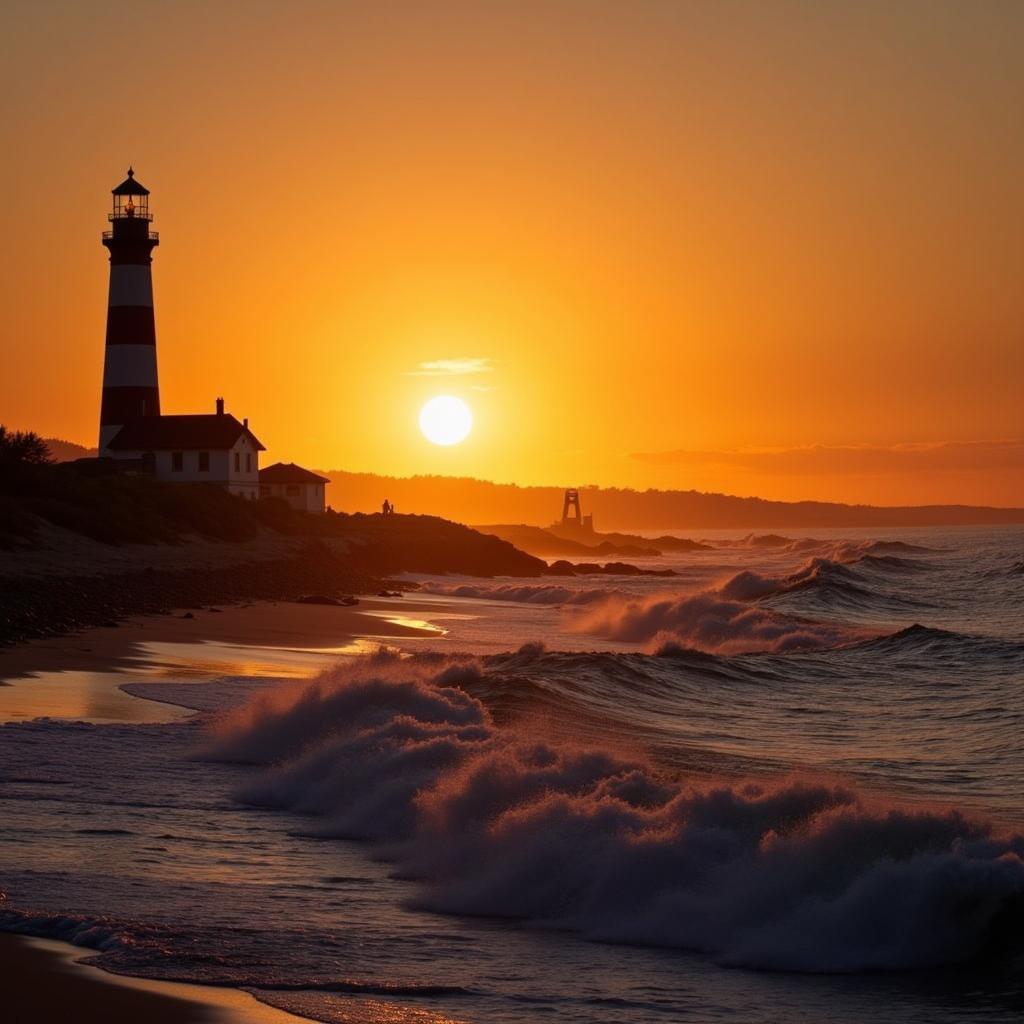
(204, 462)
(248, 462)
(177, 462)
(238, 462)
(291, 490)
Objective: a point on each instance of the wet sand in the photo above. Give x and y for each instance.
(42, 982)
(80, 676)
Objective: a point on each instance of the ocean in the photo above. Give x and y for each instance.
(785, 784)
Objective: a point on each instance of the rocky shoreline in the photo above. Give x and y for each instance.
(75, 555)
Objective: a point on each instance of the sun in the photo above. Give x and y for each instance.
(446, 420)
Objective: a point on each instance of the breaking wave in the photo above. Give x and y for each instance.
(946, 648)
(722, 621)
(825, 585)
(797, 875)
(747, 612)
(843, 550)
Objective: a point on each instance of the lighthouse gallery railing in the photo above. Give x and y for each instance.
(153, 235)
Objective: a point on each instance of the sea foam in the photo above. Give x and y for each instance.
(797, 874)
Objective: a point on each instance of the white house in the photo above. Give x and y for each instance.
(302, 489)
(211, 448)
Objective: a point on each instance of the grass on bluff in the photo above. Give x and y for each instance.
(110, 507)
(118, 509)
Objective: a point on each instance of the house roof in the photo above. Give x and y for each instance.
(130, 187)
(289, 473)
(163, 433)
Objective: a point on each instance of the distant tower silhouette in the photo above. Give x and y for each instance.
(130, 387)
(572, 515)
(571, 504)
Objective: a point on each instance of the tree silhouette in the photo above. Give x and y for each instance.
(22, 448)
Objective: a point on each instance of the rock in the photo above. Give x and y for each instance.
(318, 599)
(561, 568)
(624, 569)
(188, 615)
(389, 593)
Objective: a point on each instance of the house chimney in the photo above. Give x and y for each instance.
(220, 406)
(245, 422)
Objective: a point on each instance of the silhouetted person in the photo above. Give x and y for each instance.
(387, 508)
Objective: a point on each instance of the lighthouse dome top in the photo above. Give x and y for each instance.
(130, 187)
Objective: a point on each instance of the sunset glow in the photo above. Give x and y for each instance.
(446, 420)
(756, 248)
(512, 510)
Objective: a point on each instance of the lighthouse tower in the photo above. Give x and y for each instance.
(130, 388)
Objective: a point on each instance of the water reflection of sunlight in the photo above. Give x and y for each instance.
(192, 661)
(82, 696)
(91, 691)
(96, 696)
(410, 623)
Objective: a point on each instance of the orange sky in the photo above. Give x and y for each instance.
(759, 247)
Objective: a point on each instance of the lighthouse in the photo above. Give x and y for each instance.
(130, 388)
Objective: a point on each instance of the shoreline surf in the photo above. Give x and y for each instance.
(920, 706)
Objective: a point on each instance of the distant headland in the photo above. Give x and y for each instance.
(474, 501)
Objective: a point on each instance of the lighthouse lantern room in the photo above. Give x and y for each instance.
(131, 200)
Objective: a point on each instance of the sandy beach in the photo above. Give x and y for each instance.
(81, 675)
(45, 981)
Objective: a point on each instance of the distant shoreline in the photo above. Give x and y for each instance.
(471, 500)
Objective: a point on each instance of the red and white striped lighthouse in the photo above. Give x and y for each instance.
(130, 387)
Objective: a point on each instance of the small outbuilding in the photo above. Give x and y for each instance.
(302, 489)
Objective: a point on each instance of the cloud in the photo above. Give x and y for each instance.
(452, 367)
(822, 460)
